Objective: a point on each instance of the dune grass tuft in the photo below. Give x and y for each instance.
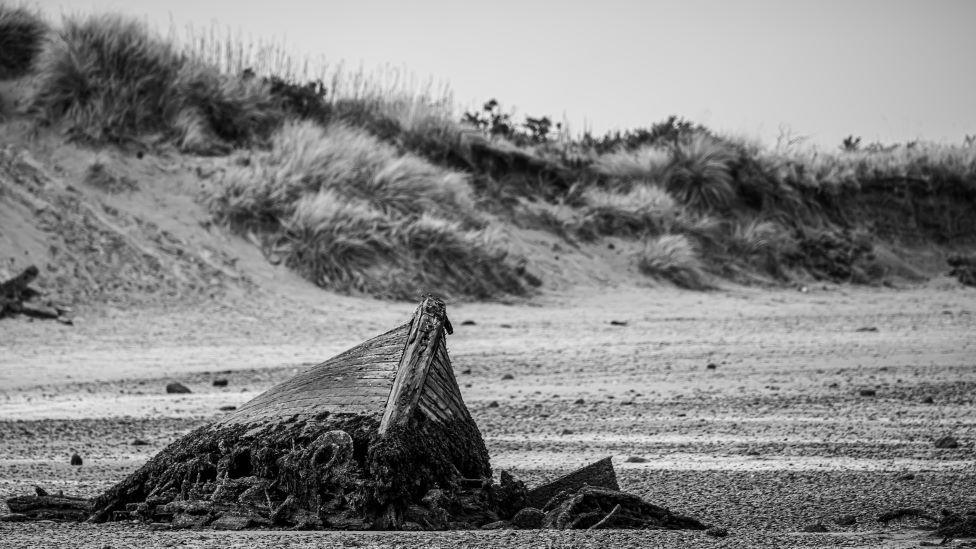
(111, 78)
(674, 258)
(352, 213)
(22, 34)
(699, 174)
(647, 163)
(644, 209)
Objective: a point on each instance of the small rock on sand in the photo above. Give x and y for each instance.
(227, 408)
(220, 382)
(493, 404)
(139, 442)
(814, 528)
(711, 366)
(636, 459)
(846, 520)
(177, 388)
(468, 323)
(717, 532)
(947, 442)
(76, 459)
(507, 377)
(868, 392)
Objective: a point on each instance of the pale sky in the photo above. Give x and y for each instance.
(890, 70)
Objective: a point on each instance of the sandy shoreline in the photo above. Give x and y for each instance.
(777, 436)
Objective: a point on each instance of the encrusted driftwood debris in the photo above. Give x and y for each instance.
(48, 507)
(16, 297)
(376, 438)
(599, 474)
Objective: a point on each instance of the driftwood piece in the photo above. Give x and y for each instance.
(18, 284)
(15, 291)
(41, 507)
(599, 474)
(592, 507)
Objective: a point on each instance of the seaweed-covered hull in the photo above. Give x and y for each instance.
(375, 438)
(362, 440)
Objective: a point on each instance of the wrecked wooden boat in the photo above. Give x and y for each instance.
(377, 437)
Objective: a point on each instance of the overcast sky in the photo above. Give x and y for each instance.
(889, 70)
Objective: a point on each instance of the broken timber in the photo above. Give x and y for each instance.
(377, 437)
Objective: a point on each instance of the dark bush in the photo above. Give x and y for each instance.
(22, 35)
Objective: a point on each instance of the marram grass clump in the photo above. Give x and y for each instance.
(673, 257)
(110, 78)
(352, 213)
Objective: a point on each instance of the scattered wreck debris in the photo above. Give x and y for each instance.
(963, 267)
(950, 525)
(377, 437)
(954, 525)
(18, 297)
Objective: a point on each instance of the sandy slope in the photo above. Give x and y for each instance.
(775, 437)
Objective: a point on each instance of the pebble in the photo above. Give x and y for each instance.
(177, 388)
(814, 528)
(947, 442)
(717, 532)
(846, 520)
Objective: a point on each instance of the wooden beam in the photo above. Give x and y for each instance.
(426, 330)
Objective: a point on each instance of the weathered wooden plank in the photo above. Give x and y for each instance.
(426, 331)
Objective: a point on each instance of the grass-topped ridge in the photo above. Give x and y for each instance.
(362, 187)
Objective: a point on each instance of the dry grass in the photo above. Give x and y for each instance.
(22, 34)
(699, 174)
(306, 158)
(647, 164)
(111, 78)
(352, 213)
(673, 257)
(643, 210)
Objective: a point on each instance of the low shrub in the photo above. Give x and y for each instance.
(674, 258)
(22, 34)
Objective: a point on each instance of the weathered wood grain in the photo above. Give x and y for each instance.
(357, 381)
(426, 333)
